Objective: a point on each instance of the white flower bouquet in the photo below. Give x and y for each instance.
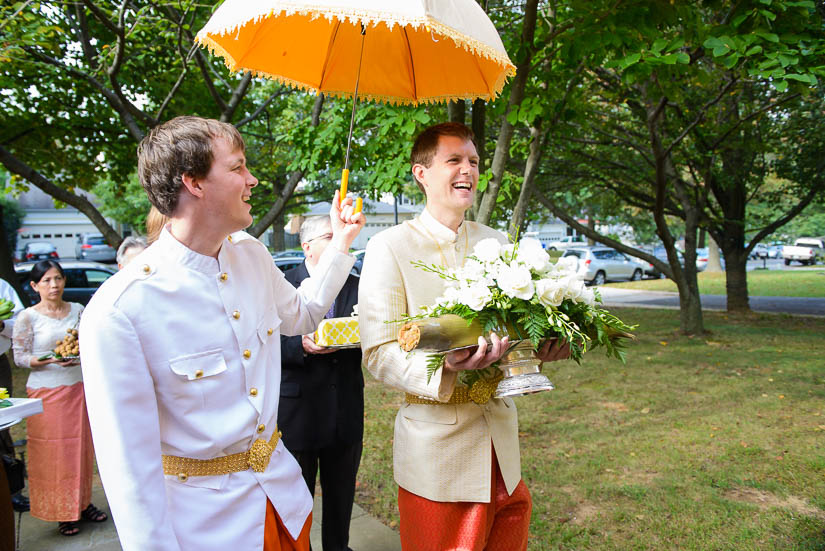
(518, 287)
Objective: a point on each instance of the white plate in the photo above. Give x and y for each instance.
(22, 407)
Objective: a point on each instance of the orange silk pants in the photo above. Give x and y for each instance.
(276, 536)
(500, 525)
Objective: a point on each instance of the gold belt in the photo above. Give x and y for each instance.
(256, 458)
(480, 393)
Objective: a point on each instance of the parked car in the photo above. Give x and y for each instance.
(359, 261)
(285, 263)
(567, 242)
(600, 264)
(92, 246)
(702, 258)
(38, 251)
(805, 250)
(775, 251)
(288, 254)
(82, 279)
(661, 254)
(760, 250)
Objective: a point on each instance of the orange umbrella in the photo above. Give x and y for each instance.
(401, 51)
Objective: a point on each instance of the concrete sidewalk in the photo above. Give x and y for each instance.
(366, 532)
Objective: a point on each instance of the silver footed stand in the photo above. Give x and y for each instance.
(521, 372)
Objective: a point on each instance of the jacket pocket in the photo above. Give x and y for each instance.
(444, 414)
(200, 365)
(268, 328)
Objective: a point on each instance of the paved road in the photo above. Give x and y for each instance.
(660, 299)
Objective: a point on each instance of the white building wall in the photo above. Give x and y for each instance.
(60, 227)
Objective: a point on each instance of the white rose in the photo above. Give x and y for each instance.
(507, 252)
(550, 292)
(573, 287)
(588, 297)
(516, 281)
(476, 296)
(532, 254)
(450, 297)
(566, 265)
(487, 250)
(472, 270)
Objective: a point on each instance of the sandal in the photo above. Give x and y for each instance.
(93, 514)
(69, 528)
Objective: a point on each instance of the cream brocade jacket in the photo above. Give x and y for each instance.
(440, 452)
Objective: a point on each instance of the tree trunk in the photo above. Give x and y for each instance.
(505, 135)
(277, 241)
(529, 181)
(690, 303)
(591, 223)
(456, 111)
(714, 259)
(736, 279)
(479, 121)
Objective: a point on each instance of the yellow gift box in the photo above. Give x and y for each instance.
(338, 332)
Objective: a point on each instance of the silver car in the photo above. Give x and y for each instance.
(600, 264)
(92, 246)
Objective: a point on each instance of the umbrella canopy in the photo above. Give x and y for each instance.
(414, 51)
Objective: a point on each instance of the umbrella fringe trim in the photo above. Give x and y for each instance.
(216, 49)
(469, 44)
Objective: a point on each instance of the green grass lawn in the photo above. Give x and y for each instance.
(769, 283)
(703, 443)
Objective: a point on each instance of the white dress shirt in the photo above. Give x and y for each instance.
(181, 356)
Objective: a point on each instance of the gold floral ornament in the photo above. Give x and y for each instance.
(259, 455)
(483, 389)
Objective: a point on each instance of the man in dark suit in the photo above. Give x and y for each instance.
(321, 412)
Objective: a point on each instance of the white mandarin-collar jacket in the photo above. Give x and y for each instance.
(440, 452)
(181, 356)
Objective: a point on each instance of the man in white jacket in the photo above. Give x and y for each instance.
(181, 358)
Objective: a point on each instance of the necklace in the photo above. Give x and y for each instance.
(441, 251)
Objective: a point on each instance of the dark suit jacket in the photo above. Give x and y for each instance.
(322, 395)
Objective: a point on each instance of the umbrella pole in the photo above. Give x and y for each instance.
(345, 172)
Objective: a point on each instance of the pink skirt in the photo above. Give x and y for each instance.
(61, 456)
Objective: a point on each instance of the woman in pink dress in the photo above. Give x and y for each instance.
(60, 449)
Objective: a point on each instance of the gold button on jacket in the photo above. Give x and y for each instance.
(236, 314)
(261, 427)
(247, 354)
(253, 391)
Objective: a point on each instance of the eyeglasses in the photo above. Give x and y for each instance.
(325, 236)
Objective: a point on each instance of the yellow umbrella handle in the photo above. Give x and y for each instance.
(344, 181)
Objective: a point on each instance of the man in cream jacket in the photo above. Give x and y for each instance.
(456, 461)
(181, 358)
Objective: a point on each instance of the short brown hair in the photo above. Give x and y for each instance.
(426, 144)
(180, 146)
